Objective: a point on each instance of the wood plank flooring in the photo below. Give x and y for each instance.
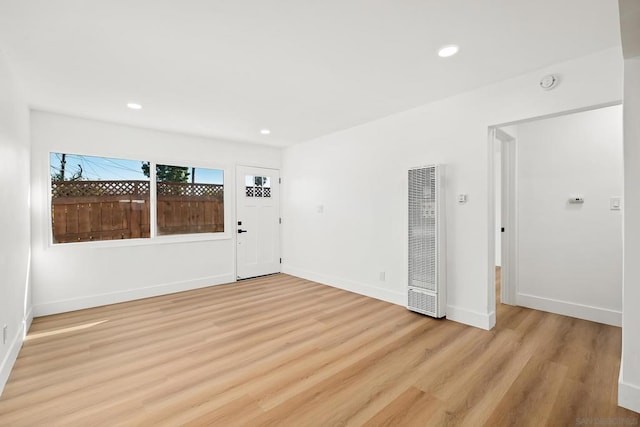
(280, 350)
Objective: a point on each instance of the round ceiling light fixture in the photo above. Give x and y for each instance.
(448, 50)
(265, 131)
(134, 106)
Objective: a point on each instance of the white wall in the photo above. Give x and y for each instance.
(629, 387)
(359, 176)
(570, 255)
(79, 275)
(15, 297)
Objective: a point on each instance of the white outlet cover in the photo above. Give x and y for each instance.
(615, 204)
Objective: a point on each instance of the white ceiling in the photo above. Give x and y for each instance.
(300, 68)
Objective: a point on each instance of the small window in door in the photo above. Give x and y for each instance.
(257, 186)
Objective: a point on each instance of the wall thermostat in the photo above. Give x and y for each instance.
(548, 82)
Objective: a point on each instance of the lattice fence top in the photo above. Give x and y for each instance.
(136, 188)
(257, 191)
(98, 188)
(189, 190)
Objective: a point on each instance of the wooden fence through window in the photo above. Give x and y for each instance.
(107, 210)
(190, 208)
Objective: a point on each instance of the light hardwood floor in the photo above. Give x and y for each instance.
(280, 350)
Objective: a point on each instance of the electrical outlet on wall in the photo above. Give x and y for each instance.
(615, 203)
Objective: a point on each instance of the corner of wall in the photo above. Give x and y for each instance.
(28, 319)
(628, 395)
(14, 348)
(472, 318)
(15, 246)
(365, 289)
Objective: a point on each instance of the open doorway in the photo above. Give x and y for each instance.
(505, 214)
(557, 186)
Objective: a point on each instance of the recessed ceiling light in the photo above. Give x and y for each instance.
(447, 51)
(265, 131)
(134, 106)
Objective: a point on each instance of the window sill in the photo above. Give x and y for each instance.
(158, 240)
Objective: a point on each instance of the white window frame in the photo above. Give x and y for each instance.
(154, 238)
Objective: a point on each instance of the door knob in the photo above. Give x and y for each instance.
(241, 231)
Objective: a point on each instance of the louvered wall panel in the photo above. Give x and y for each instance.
(424, 238)
(422, 302)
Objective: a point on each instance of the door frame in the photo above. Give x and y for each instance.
(508, 217)
(509, 261)
(498, 139)
(236, 214)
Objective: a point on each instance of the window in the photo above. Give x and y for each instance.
(189, 200)
(257, 186)
(98, 198)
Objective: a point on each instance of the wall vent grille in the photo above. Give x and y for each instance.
(422, 302)
(425, 272)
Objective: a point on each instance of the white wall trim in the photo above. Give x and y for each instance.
(586, 312)
(387, 295)
(28, 319)
(14, 349)
(456, 314)
(628, 395)
(471, 318)
(62, 306)
(492, 320)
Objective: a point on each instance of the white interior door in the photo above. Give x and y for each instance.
(258, 221)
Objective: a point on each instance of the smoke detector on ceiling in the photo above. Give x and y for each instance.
(548, 82)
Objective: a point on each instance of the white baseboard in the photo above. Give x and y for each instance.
(586, 312)
(28, 319)
(457, 314)
(628, 396)
(14, 349)
(387, 295)
(89, 301)
(471, 318)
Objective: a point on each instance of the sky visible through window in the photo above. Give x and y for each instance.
(108, 169)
